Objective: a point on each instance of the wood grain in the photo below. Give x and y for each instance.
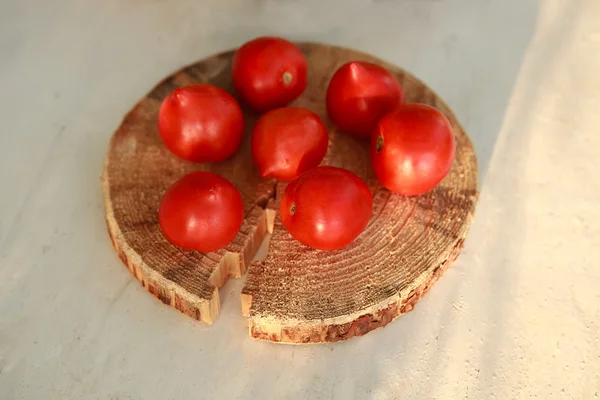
(296, 295)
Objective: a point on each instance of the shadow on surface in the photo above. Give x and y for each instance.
(499, 341)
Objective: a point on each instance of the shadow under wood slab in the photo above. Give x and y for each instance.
(296, 295)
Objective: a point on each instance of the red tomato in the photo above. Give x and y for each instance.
(359, 94)
(269, 72)
(288, 141)
(201, 123)
(326, 207)
(412, 149)
(202, 211)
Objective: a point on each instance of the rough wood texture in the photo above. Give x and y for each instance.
(297, 295)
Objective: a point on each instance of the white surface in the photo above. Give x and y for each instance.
(517, 316)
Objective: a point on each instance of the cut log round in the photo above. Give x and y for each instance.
(297, 294)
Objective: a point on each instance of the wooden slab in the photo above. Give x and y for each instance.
(297, 295)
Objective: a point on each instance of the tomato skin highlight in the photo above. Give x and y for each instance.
(359, 94)
(412, 149)
(326, 207)
(268, 73)
(287, 142)
(202, 211)
(201, 123)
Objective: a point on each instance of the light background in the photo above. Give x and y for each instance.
(516, 317)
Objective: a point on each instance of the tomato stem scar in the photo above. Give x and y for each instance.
(379, 143)
(287, 77)
(293, 209)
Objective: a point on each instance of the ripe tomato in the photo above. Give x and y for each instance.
(326, 207)
(288, 141)
(412, 149)
(269, 72)
(201, 123)
(359, 94)
(202, 211)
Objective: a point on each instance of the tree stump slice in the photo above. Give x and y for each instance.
(297, 294)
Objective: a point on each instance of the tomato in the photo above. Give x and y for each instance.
(326, 207)
(359, 94)
(202, 211)
(288, 141)
(412, 149)
(269, 72)
(201, 123)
